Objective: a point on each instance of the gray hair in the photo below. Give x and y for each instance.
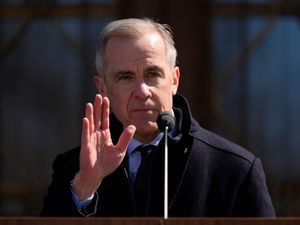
(133, 27)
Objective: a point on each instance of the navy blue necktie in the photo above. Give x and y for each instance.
(142, 180)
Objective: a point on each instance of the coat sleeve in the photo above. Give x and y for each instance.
(253, 198)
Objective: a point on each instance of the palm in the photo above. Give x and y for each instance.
(98, 156)
(104, 157)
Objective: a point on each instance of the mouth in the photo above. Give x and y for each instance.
(143, 111)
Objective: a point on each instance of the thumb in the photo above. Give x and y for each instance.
(125, 138)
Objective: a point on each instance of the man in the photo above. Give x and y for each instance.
(138, 79)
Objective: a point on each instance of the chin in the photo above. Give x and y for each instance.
(146, 127)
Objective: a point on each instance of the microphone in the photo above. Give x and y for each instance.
(165, 120)
(165, 123)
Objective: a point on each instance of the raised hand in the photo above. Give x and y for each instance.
(98, 156)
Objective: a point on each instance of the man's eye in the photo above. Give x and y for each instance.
(153, 74)
(125, 77)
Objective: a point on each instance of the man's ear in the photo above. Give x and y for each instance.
(100, 85)
(176, 76)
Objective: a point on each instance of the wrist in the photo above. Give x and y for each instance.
(82, 188)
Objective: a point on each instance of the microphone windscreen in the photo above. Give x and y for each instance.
(165, 119)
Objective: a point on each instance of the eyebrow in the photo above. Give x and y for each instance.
(153, 68)
(119, 73)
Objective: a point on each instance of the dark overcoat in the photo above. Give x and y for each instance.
(208, 176)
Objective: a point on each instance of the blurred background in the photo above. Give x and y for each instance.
(240, 70)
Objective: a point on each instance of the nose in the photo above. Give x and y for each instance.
(142, 90)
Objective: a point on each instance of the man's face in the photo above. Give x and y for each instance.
(139, 81)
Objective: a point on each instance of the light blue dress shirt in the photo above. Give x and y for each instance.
(134, 157)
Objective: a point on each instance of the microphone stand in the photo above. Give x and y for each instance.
(166, 175)
(165, 122)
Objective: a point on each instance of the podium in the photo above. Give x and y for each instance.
(147, 221)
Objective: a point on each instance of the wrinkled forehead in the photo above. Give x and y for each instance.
(149, 41)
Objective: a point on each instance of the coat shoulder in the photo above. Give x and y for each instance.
(221, 145)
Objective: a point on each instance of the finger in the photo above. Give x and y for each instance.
(85, 133)
(89, 116)
(125, 138)
(105, 114)
(98, 111)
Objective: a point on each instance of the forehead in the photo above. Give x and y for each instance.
(148, 46)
